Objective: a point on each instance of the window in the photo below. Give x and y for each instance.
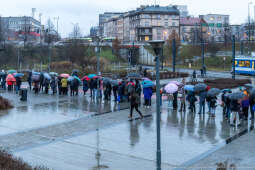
(147, 23)
(244, 63)
(211, 18)
(173, 24)
(166, 24)
(158, 16)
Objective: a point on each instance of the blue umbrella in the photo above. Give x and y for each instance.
(12, 71)
(19, 75)
(91, 76)
(47, 76)
(189, 87)
(71, 78)
(225, 90)
(36, 73)
(147, 83)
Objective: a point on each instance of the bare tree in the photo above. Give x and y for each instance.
(76, 32)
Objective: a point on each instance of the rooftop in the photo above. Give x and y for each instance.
(157, 9)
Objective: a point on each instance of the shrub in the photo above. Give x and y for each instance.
(5, 104)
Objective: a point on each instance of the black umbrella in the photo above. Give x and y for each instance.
(76, 71)
(200, 87)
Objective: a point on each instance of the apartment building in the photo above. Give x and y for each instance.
(144, 24)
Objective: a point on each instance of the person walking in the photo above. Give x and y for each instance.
(71, 84)
(208, 100)
(134, 104)
(252, 103)
(46, 85)
(115, 92)
(41, 82)
(60, 89)
(182, 99)
(18, 84)
(138, 89)
(76, 86)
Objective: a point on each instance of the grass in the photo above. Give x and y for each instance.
(108, 55)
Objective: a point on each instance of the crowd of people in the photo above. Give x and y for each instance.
(130, 90)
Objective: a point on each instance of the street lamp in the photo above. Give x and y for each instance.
(157, 46)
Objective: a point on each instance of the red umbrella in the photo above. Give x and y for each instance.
(131, 83)
(85, 78)
(10, 77)
(64, 75)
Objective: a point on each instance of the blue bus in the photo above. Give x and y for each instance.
(245, 65)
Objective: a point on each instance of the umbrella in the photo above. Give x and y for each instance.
(85, 78)
(18, 74)
(36, 73)
(64, 75)
(249, 85)
(71, 78)
(47, 76)
(146, 78)
(189, 87)
(106, 80)
(134, 75)
(176, 83)
(226, 90)
(12, 71)
(10, 77)
(213, 92)
(200, 87)
(76, 71)
(91, 76)
(236, 96)
(77, 78)
(114, 82)
(2, 73)
(147, 83)
(171, 88)
(53, 74)
(35, 77)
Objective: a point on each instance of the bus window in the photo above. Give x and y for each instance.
(252, 65)
(244, 64)
(236, 63)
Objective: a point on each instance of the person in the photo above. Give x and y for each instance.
(120, 92)
(60, 89)
(85, 85)
(191, 98)
(41, 82)
(18, 84)
(204, 71)
(76, 86)
(147, 96)
(108, 91)
(36, 87)
(3, 83)
(115, 91)
(71, 84)
(182, 99)
(94, 86)
(252, 103)
(235, 109)
(29, 80)
(194, 75)
(208, 100)
(91, 87)
(64, 86)
(138, 89)
(223, 103)
(213, 105)
(10, 85)
(46, 85)
(53, 85)
(175, 100)
(202, 96)
(245, 107)
(228, 105)
(134, 103)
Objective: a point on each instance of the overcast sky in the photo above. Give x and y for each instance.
(85, 12)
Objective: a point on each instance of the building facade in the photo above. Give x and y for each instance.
(183, 10)
(105, 17)
(19, 27)
(193, 29)
(218, 26)
(144, 24)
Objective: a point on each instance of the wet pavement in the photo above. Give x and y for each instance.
(60, 132)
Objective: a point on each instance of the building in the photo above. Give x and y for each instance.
(183, 10)
(237, 31)
(105, 17)
(218, 26)
(193, 29)
(20, 27)
(144, 24)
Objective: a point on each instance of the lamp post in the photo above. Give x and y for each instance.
(233, 56)
(157, 46)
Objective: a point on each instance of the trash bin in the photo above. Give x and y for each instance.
(23, 94)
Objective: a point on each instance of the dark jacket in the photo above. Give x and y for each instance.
(234, 106)
(85, 85)
(147, 93)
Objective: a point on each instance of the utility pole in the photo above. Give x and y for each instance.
(233, 57)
